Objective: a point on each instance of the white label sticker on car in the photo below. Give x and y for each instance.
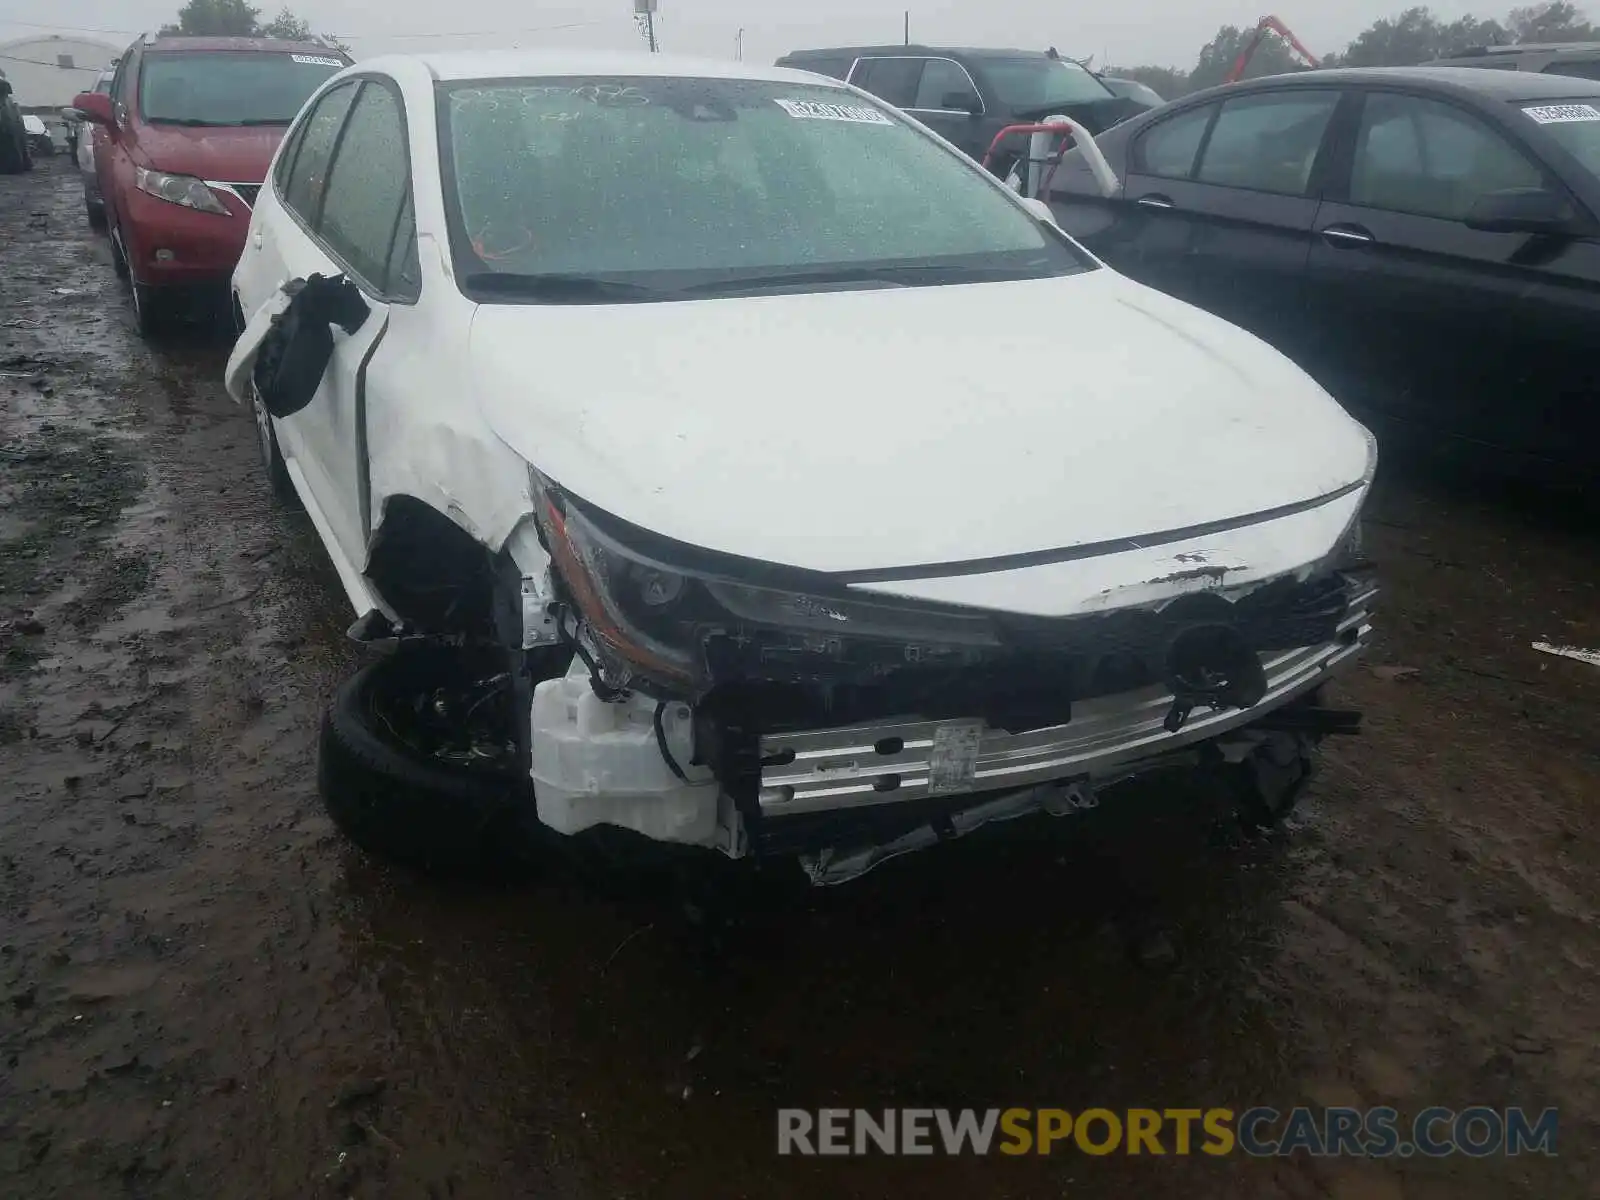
(1560, 114)
(313, 61)
(815, 110)
(953, 759)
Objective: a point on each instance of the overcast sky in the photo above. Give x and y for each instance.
(1127, 32)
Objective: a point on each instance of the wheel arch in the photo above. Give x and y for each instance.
(438, 577)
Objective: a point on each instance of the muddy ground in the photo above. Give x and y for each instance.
(204, 992)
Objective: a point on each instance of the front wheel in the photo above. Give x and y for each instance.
(13, 156)
(419, 763)
(271, 456)
(151, 310)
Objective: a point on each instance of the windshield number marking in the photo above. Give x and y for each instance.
(1563, 114)
(312, 60)
(814, 110)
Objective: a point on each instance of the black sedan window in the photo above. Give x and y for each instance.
(1268, 141)
(1431, 159)
(1576, 125)
(1168, 150)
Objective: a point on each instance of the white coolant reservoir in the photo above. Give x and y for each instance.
(599, 763)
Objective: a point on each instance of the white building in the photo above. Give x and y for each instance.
(48, 71)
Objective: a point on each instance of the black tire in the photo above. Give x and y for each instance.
(152, 311)
(119, 262)
(12, 155)
(97, 215)
(272, 457)
(397, 804)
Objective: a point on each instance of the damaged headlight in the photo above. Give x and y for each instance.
(688, 628)
(178, 189)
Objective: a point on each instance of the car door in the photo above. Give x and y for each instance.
(947, 101)
(351, 208)
(113, 151)
(1141, 231)
(1251, 204)
(1442, 329)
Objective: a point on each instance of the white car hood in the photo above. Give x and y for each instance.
(885, 428)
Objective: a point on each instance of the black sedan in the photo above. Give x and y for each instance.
(1422, 240)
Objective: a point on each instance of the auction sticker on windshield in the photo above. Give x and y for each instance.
(816, 110)
(1560, 114)
(311, 60)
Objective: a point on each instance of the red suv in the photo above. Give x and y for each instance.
(191, 126)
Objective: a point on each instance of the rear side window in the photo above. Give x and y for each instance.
(1169, 149)
(891, 79)
(367, 186)
(1269, 142)
(946, 84)
(308, 173)
(1588, 69)
(835, 68)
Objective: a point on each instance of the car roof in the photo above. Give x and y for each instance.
(1527, 48)
(169, 43)
(918, 51)
(519, 64)
(1496, 85)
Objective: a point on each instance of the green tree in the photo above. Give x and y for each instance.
(287, 25)
(1558, 21)
(1272, 57)
(236, 18)
(1412, 37)
(216, 18)
(1169, 82)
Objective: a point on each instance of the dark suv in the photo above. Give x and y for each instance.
(1579, 59)
(968, 96)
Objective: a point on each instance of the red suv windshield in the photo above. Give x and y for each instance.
(230, 87)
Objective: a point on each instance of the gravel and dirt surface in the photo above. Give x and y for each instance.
(205, 992)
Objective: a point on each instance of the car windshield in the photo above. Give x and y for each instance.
(1029, 84)
(1575, 124)
(230, 87)
(647, 185)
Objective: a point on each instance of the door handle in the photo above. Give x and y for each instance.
(1153, 202)
(257, 239)
(1345, 236)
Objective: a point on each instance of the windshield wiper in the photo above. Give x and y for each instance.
(905, 275)
(555, 286)
(263, 121)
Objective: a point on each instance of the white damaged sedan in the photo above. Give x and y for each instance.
(723, 457)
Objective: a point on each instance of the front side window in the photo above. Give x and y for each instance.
(1168, 150)
(891, 79)
(367, 186)
(1268, 142)
(230, 88)
(1034, 84)
(675, 182)
(1431, 159)
(308, 168)
(1573, 123)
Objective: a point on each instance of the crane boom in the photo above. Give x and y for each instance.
(1263, 27)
